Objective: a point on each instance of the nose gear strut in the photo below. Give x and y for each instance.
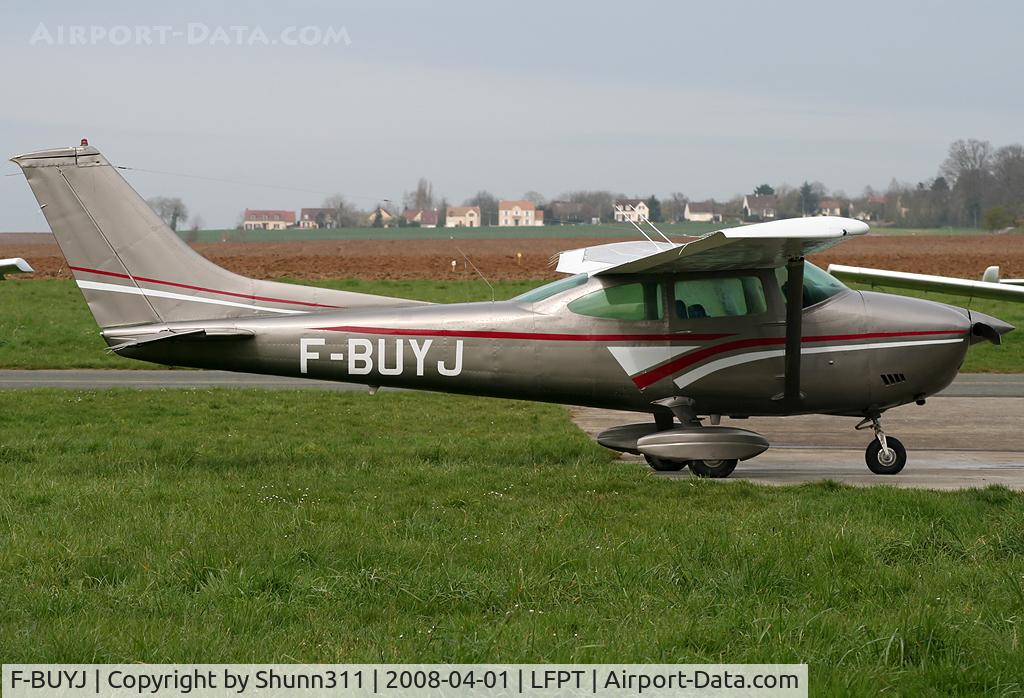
(886, 454)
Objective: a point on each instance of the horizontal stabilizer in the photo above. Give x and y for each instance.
(198, 334)
(927, 282)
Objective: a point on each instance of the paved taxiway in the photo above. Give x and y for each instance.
(970, 436)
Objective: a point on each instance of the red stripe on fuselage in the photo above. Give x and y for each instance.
(200, 288)
(643, 380)
(553, 337)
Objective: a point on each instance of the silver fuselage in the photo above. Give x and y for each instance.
(862, 352)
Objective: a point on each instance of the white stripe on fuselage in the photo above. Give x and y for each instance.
(729, 361)
(636, 359)
(153, 293)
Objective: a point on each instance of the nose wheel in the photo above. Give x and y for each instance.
(886, 454)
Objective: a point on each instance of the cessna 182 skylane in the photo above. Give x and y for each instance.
(734, 324)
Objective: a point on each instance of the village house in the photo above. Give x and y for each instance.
(759, 207)
(702, 212)
(267, 219)
(318, 218)
(380, 217)
(519, 213)
(830, 207)
(462, 217)
(627, 210)
(425, 217)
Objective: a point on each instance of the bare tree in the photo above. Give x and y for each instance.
(345, 215)
(1008, 170)
(966, 156)
(193, 231)
(535, 197)
(488, 206)
(969, 167)
(171, 210)
(600, 203)
(423, 197)
(673, 207)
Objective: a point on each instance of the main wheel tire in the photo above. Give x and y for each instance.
(713, 468)
(882, 464)
(665, 466)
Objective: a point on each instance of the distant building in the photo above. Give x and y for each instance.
(701, 211)
(426, 217)
(634, 210)
(569, 212)
(267, 219)
(381, 217)
(519, 213)
(760, 207)
(462, 217)
(830, 207)
(318, 218)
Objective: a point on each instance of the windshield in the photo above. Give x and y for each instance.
(548, 290)
(819, 285)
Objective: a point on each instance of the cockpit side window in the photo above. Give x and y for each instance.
(819, 285)
(636, 301)
(720, 296)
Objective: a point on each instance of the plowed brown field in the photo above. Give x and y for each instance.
(965, 256)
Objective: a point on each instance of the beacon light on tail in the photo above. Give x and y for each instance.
(733, 324)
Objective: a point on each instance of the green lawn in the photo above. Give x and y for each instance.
(44, 323)
(246, 526)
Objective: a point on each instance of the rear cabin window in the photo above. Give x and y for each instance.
(727, 296)
(639, 301)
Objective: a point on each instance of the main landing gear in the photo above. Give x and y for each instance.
(886, 454)
(700, 468)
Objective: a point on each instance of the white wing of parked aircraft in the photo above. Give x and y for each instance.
(13, 266)
(999, 290)
(746, 247)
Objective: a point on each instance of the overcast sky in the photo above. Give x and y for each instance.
(709, 99)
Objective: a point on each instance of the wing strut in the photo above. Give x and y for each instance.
(794, 327)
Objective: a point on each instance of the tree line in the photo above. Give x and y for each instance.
(977, 185)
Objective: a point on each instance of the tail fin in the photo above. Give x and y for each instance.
(133, 269)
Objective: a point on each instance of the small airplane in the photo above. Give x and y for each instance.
(735, 323)
(14, 265)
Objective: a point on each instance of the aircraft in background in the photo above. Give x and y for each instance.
(735, 323)
(14, 265)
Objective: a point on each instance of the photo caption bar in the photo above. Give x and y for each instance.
(403, 680)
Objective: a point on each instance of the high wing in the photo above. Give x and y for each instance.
(1004, 290)
(746, 247)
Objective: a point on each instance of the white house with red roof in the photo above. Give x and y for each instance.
(267, 219)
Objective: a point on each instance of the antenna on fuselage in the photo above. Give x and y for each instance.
(470, 263)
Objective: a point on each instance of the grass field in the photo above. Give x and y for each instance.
(44, 323)
(216, 526)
